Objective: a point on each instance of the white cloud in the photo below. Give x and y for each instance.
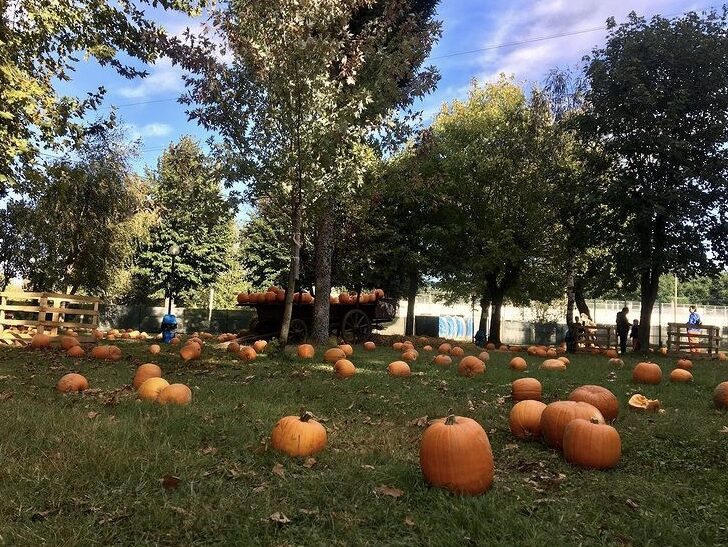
(163, 79)
(154, 129)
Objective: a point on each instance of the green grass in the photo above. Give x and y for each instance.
(87, 470)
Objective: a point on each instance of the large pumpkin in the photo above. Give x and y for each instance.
(343, 368)
(680, 375)
(647, 373)
(306, 351)
(67, 342)
(592, 445)
(298, 435)
(564, 360)
(518, 363)
(247, 353)
(259, 346)
(72, 382)
(144, 372)
(525, 419)
(616, 363)
(398, 368)
(553, 364)
(75, 351)
(443, 360)
(190, 351)
(242, 298)
(526, 388)
(233, 347)
(40, 341)
(397, 346)
(470, 366)
(175, 394)
(720, 395)
(457, 351)
(334, 354)
(409, 355)
(347, 349)
(600, 397)
(150, 389)
(557, 415)
(455, 454)
(444, 348)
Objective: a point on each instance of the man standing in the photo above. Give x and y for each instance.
(694, 323)
(623, 329)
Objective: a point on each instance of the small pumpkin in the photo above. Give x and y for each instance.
(564, 360)
(306, 351)
(599, 397)
(518, 363)
(370, 346)
(553, 364)
(470, 366)
(247, 353)
(409, 356)
(557, 415)
(427, 348)
(592, 445)
(681, 376)
(298, 435)
(616, 363)
(551, 353)
(640, 403)
(243, 298)
(457, 352)
(444, 348)
(378, 293)
(720, 395)
(490, 346)
(150, 389)
(647, 373)
(343, 368)
(175, 394)
(347, 349)
(259, 346)
(407, 345)
(233, 347)
(334, 354)
(344, 298)
(144, 372)
(72, 382)
(611, 353)
(525, 419)
(686, 364)
(443, 360)
(484, 356)
(189, 352)
(40, 341)
(397, 346)
(154, 349)
(455, 454)
(67, 342)
(75, 351)
(398, 368)
(526, 389)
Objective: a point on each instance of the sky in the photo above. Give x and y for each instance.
(520, 37)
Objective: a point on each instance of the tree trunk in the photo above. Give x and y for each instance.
(580, 301)
(292, 274)
(495, 320)
(324, 250)
(570, 295)
(484, 311)
(409, 324)
(649, 284)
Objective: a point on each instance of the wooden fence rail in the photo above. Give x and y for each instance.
(703, 342)
(47, 310)
(589, 337)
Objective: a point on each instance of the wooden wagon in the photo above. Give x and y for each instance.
(353, 322)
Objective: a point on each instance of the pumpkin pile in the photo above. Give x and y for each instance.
(153, 388)
(277, 294)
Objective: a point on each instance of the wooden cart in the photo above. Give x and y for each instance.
(353, 322)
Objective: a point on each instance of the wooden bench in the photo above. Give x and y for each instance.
(705, 345)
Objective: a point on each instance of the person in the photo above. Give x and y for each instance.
(623, 329)
(635, 335)
(480, 338)
(694, 323)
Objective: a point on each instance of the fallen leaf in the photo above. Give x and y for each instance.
(260, 488)
(42, 515)
(409, 521)
(388, 491)
(279, 518)
(309, 463)
(632, 504)
(180, 511)
(367, 466)
(418, 422)
(471, 407)
(170, 482)
(91, 415)
(5, 395)
(724, 429)
(208, 450)
(279, 470)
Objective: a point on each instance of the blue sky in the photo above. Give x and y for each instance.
(149, 109)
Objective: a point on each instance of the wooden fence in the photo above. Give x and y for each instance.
(703, 343)
(589, 337)
(48, 311)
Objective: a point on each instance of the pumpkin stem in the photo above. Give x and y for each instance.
(594, 420)
(450, 420)
(306, 416)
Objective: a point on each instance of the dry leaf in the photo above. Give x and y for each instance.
(367, 466)
(279, 470)
(309, 463)
(632, 504)
(724, 429)
(279, 518)
(409, 521)
(471, 407)
(418, 422)
(170, 482)
(388, 491)
(5, 395)
(511, 446)
(180, 511)
(260, 488)
(91, 415)
(208, 450)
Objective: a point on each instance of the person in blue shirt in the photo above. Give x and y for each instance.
(694, 323)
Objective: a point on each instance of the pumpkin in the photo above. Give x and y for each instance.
(378, 293)
(343, 368)
(444, 348)
(525, 419)
(423, 341)
(189, 352)
(531, 350)
(398, 368)
(40, 341)
(370, 346)
(247, 353)
(344, 298)
(144, 372)
(686, 364)
(443, 360)
(347, 349)
(175, 394)
(557, 415)
(333, 299)
(551, 353)
(616, 363)
(647, 373)
(564, 360)
(720, 395)
(640, 403)
(490, 346)
(154, 349)
(407, 345)
(174, 341)
(515, 348)
(72, 382)
(306, 298)
(592, 445)
(298, 435)
(663, 351)
(553, 364)
(722, 356)
(243, 298)
(541, 353)
(363, 298)
(397, 346)
(306, 351)
(97, 334)
(233, 347)
(409, 356)
(484, 356)
(599, 397)
(427, 348)
(680, 375)
(150, 388)
(470, 366)
(334, 354)
(611, 353)
(526, 389)
(455, 454)
(457, 351)
(518, 363)
(259, 346)
(75, 351)
(67, 342)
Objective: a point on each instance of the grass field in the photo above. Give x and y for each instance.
(88, 469)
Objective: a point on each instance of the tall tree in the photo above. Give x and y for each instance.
(658, 108)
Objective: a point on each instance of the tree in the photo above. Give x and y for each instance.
(659, 111)
(191, 212)
(41, 42)
(493, 157)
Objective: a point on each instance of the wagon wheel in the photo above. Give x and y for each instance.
(297, 331)
(356, 327)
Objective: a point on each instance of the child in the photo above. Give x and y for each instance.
(635, 335)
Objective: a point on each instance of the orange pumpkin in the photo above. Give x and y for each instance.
(564, 360)
(243, 298)
(427, 348)
(344, 298)
(526, 389)
(370, 346)
(540, 352)
(189, 352)
(67, 342)
(611, 353)
(378, 293)
(686, 364)
(720, 395)
(334, 354)
(592, 445)
(457, 352)
(518, 363)
(144, 372)
(306, 298)
(525, 419)
(551, 353)
(247, 353)
(455, 454)
(557, 415)
(397, 346)
(647, 373)
(306, 351)
(259, 346)
(640, 403)
(72, 382)
(443, 360)
(553, 364)
(233, 347)
(599, 397)
(298, 435)
(398, 368)
(484, 356)
(616, 363)
(347, 349)
(175, 394)
(444, 348)
(409, 356)
(75, 351)
(40, 341)
(470, 366)
(407, 345)
(150, 388)
(343, 368)
(154, 349)
(680, 375)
